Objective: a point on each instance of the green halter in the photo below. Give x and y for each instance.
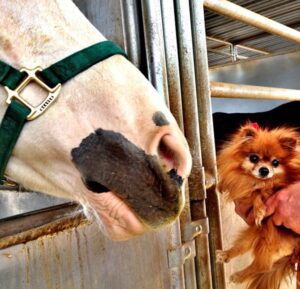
(51, 78)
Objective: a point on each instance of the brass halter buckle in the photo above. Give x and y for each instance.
(35, 111)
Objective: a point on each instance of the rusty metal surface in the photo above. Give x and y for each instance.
(172, 62)
(184, 275)
(154, 45)
(30, 226)
(192, 132)
(175, 101)
(285, 12)
(82, 258)
(131, 26)
(207, 139)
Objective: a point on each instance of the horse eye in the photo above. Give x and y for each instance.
(275, 163)
(254, 158)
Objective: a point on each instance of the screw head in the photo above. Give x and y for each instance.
(198, 228)
(187, 251)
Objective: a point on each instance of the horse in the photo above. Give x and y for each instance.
(108, 141)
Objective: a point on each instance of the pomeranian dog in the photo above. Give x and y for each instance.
(253, 165)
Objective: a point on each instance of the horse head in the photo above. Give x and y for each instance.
(108, 142)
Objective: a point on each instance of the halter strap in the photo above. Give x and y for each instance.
(17, 112)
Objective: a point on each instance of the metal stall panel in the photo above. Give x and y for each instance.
(175, 101)
(207, 138)
(192, 132)
(82, 258)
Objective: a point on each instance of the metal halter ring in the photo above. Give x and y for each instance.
(35, 111)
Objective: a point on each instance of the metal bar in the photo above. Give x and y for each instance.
(30, 226)
(132, 41)
(163, 72)
(177, 277)
(219, 40)
(246, 47)
(192, 132)
(187, 271)
(252, 49)
(207, 138)
(172, 62)
(226, 53)
(246, 16)
(232, 90)
(155, 50)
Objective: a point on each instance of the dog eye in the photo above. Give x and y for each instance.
(275, 163)
(254, 158)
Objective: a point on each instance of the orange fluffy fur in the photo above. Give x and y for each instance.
(250, 153)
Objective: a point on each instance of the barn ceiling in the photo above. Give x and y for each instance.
(219, 27)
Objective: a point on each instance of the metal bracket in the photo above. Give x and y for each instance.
(9, 185)
(178, 256)
(195, 228)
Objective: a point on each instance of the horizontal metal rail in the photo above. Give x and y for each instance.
(216, 51)
(246, 16)
(242, 46)
(30, 226)
(232, 90)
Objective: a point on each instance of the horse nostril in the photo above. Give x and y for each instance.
(174, 155)
(167, 156)
(264, 171)
(175, 177)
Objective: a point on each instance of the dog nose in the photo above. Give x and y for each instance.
(264, 171)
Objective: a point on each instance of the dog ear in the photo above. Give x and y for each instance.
(247, 132)
(288, 143)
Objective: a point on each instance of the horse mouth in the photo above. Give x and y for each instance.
(108, 162)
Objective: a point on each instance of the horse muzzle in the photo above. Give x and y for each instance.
(108, 161)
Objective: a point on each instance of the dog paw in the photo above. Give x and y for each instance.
(259, 216)
(222, 256)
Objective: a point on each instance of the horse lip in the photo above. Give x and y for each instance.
(98, 188)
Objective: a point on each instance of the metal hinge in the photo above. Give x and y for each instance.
(195, 228)
(178, 256)
(187, 250)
